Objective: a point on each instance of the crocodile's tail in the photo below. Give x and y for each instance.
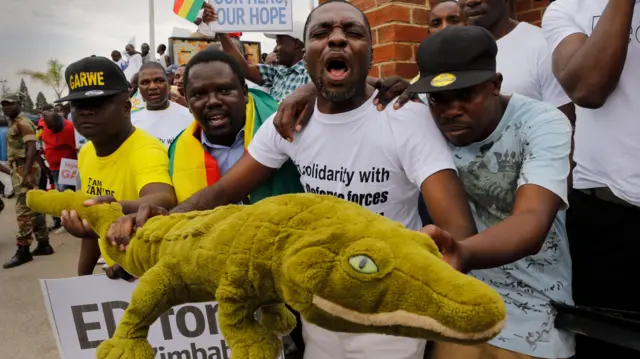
(100, 217)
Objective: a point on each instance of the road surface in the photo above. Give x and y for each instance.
(24, 323)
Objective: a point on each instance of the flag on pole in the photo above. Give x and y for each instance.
(188, 9)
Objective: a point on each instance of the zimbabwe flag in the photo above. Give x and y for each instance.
(188, 9)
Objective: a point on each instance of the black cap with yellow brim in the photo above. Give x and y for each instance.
(455, 58)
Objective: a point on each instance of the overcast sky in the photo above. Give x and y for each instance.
(34, 31)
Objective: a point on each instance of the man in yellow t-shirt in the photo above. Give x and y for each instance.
(119, 163)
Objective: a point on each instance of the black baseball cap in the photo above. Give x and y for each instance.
(455, 58)
(93, 77)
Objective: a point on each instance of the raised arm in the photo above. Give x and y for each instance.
(251, 71)
(589, 67)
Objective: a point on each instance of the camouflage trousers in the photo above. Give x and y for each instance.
(30, 223)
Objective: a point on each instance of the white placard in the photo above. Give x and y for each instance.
(68, 172)
(252, 15)
(85, 310)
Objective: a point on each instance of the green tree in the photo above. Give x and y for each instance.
(53, 77)
(27, 102)
(4, 86)
(40, 101)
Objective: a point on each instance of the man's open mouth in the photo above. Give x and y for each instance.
(217, 119)
(337, 69)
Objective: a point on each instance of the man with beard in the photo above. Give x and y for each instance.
(162, 118)
(378, 159)
(119, 163)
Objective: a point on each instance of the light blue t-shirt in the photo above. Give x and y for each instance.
(531, 145)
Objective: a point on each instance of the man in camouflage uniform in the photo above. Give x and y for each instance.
(25, 174)
(6, 170)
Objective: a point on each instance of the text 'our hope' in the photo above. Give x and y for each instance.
(254, 15)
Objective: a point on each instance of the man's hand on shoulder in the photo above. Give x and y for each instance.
(295, 111)
(391, 88)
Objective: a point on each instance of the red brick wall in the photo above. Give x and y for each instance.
(398, 27)
(530, 10)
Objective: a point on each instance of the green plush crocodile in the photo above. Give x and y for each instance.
(341, 266)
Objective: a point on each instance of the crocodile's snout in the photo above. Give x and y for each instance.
(398, 287)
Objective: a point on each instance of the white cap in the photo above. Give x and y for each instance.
(296, 33)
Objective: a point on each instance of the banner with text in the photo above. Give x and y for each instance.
(68, 172)
(85, 310)
(252, 15)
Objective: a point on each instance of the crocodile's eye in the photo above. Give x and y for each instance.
(363, 264)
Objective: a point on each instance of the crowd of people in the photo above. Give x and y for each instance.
(478, 151)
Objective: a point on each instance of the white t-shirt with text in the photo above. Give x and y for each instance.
(524, 60)
(376, 159)
(606, 139)
(165, 124)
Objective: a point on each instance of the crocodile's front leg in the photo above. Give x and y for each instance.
(157, 292)
(277, 318)
(237, 304)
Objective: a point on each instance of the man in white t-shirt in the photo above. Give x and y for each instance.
(134, 61)
(381, 160)
(162, 118)
(596, 58)
(524, 58)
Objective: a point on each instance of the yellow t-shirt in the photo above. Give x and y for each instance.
(142, 159)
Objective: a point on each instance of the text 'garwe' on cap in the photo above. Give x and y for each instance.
(455, 58)
(94, 77)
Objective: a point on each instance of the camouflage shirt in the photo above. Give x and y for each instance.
(21, 131)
